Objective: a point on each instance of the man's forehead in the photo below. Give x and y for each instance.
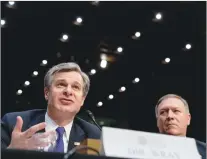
(171, 103)
(65, 76)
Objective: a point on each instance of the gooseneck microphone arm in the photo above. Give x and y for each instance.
(90, 114)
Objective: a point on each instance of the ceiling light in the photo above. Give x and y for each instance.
(122, 89)
(103, 63)
(19, 92)
(99, 104)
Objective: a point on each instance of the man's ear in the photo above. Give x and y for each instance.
(157, 122)
(83, 99)
(189, 119)
(46, 93)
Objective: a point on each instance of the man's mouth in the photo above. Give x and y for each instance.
(66, 101)
(171, 125)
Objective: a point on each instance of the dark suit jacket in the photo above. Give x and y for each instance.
(80, 130)
(201, 146)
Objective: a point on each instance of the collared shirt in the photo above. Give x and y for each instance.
(51, 125)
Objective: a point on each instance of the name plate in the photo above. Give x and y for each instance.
(144, 145)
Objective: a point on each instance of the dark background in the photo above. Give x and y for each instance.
(32, 34)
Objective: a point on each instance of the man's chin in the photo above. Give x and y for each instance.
(172, 132)
(68, 110)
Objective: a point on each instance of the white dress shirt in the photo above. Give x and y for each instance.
(51, 125)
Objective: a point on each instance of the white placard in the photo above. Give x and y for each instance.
(144, 145)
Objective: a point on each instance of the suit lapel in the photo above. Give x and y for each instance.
(76, 135)
(38, 119)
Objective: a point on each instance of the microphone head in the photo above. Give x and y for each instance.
(89, 112)
(93, 118)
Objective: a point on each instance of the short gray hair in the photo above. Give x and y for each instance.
(70, 66)
(171, 96)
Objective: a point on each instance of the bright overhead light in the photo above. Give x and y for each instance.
(103, 63)
(122, 89)
(44, 62)
(93, 71)
(65, 37)
(119, 49)
(99, 104)
(3, 22)
(11, 3)
(158, 16)
(188, 46)
(167, 60)
(26, 83)
(111, 96)
(19, 92)
(137, 34)
(79, 20)
(35, 73)
(136, 80)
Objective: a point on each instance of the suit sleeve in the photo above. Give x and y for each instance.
(201, 148)
(5, 133)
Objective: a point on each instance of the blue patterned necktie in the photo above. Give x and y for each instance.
(59, 143)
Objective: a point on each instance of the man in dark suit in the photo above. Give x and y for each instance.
(173, 117)
(65, 89)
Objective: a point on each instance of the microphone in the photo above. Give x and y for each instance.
(70, 153)
(90, 114)
(80, 147)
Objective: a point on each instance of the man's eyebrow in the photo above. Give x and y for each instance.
(164, 109)
(63, 80)
(76, 82)
(59, 80)
(170, 108)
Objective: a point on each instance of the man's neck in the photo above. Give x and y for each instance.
(181, 135)
(59, 118)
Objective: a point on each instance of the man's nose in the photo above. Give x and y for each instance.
(170, 114)
(68, 90)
